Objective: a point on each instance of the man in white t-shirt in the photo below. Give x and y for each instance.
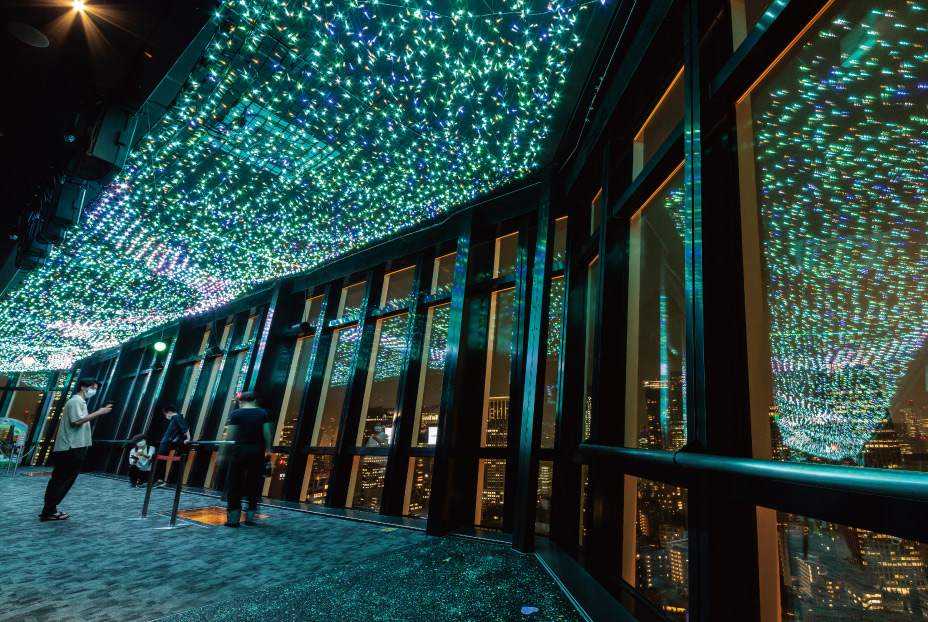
(71, 445)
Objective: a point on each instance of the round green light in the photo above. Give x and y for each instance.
(161, 346)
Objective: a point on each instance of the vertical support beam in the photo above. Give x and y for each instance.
(354, 395)
(533, 396)
(517, 370)
(566, 493)
(722, 533)
(442, 495)
(273, 321)
(51, 426)
(397, 472)
(312, 389)
(605, 499)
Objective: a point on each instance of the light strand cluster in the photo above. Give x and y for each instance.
(307, 130)
(842, 151)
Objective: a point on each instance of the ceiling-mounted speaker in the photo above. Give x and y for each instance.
(110, 140)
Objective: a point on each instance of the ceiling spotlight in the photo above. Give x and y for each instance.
(160, 346)
(79, 5)
(27, 360)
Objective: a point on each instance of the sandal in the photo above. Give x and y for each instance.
(250, 523)
(55, 516)
(232, 524)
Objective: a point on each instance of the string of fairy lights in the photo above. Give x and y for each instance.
(307, 130)
(842, 150)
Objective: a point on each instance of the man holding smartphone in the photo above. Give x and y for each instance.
(71, 445)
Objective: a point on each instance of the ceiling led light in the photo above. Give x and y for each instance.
(306, 131)
(79, 5)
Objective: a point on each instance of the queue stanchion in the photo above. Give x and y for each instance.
(151, 483)
(181, 460)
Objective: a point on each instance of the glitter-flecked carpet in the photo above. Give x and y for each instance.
(441, 579)
(102, 566)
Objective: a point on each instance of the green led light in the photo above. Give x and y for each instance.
(307, 130)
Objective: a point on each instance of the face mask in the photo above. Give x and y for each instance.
(90, 393)
(141, 445)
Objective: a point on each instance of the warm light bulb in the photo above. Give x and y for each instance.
(28, 360)
(78, 5)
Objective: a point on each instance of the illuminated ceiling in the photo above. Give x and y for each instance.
(306, 131)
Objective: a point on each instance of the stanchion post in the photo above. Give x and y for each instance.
(151, 482)
(180, 471)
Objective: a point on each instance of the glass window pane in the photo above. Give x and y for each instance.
(338, 370)
(274, 485)
(543, 508)
(833, 571)
(560, 240)
(419, 487)
(191, 374)
(23, 407)
(293, 394)
(662, 547)
(443, 273)
(507, 250)
(495, 429)
(664, 119)
(431, 372)
(832, 158)
(367, 483)
(352, 299)
(383, 381)
(214, 367)
(656, 413)
(316, 478)
(491, 487)
(397, 288)
(744, 16)
(552, 363)
(596, 209)
(311, 310)
(592, 302)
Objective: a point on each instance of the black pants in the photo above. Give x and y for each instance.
(137, 475)
(246, 473)
(67, 465)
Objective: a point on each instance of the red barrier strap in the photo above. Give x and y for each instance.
(168, 458)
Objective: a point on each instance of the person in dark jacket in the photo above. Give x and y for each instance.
(250, 428)
(176, 436)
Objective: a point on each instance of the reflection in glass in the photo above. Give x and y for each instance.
(338, 370)
(662, 547)
(274, 485)
(836, 572)
(419, 487)
(388, 356)
(592, 302)
(491, 488)
(23, 406)
(552, 363)
(506, 256)
(559, 247)
(495, 427)
(543, 508)
(596, 209)
(293, 394)
(428, 402)
(367, 482)
(352, 300)
(397, 288)
(443, 273)
(316, 478)
(833, 145)
(656, 413)
(744, 16)
(311, 310)
(664, 119)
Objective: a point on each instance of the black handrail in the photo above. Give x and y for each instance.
(911, 485)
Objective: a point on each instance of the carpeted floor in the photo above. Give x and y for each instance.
(99, 565)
